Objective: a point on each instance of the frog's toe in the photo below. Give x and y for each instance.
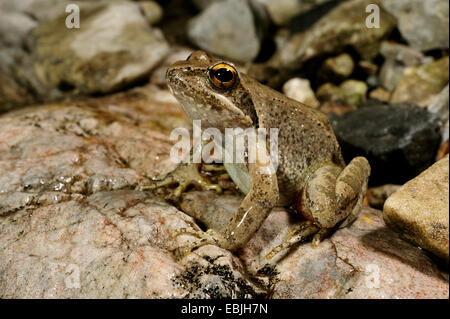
(209, 237)
(162, 183)
(298, 234)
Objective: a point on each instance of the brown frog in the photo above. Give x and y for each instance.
(310, 172)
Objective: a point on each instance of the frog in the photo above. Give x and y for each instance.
(310, 174)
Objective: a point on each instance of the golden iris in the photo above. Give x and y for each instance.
(223, 75)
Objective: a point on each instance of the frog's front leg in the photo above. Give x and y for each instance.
(254, 209)
(184, 175)
(332, 196)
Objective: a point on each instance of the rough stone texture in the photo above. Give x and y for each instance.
(366, 260)
(424, 24)
(72, 223)
(419, 210)
(421, 84)
(341, 27)
(300, 90)
(114, 47)
(226, 28)
(400, 141)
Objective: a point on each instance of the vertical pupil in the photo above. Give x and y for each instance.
(223, 75)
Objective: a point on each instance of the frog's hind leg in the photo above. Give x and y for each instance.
(332, 196)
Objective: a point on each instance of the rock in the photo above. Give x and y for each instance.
(400, 141)
(403, 54)
(12, 94)
(342, 27)
(421, 84)
(349, 92)
(329, 92)
(13, 28)
(365, 260)
(72, 224)
(152, 11)
(390, 73)
(332, 100)
(330, 107)
(423, 24)
(47, 10)
(282, 11)
(226, 28)
(378, 195)
(337, 68)
(440, 107)
(18, 83)
(74, 163)
(300, 90)
(397, 58)
(380, 94)
(419, 210)
(370, 68)
(115, 37)
(353, 91)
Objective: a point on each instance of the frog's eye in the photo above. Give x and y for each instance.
(223, 76)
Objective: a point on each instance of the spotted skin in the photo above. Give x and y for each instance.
(311, 172)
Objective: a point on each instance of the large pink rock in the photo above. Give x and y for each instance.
(73, 225)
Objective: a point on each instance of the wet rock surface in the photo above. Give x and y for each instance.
(400, 141)
(419, 209)
(72, 223)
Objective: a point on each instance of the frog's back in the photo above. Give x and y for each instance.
(305, 137)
